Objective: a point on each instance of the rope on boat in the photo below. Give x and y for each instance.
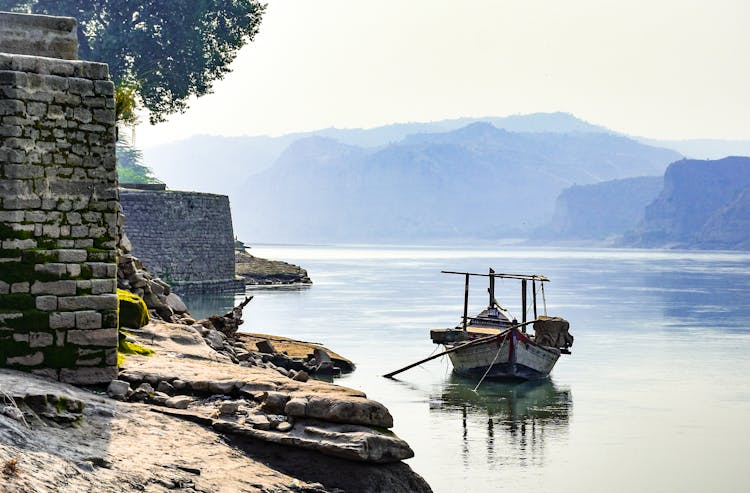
(499, 347)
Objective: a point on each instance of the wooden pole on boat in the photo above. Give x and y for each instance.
(466, 301)
(492, 289)
(523, 303)
(470, 343)
(533, 295)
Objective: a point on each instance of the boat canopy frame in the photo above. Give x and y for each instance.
(492, 275)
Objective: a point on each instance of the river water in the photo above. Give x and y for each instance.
(654, 398)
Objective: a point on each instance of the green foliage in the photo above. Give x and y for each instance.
(126, 95)
(168, 50)
(130, 167)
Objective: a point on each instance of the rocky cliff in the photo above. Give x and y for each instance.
(601, 210)
(704, 204)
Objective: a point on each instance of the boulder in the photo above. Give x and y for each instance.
(223, 386)
(266, 347)
(284, 426)
(354, 410)
(229, 407)
(165, 387)
(215, 339)
(132, 310)
(301, 376)
(118, 389)
(175, 303)
(275, 402)
(178, 402)
(258, 421)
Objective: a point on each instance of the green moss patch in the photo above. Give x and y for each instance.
(132, 310)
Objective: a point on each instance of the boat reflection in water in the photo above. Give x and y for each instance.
(514, 418)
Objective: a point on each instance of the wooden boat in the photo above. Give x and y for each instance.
(491, 345)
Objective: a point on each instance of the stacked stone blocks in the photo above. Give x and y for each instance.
(185, 238)
(58, 218)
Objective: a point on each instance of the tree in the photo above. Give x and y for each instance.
(166, 50)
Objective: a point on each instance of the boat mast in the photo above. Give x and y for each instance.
(533, 295)
(492, 288)
(466, 301)
(523, 303)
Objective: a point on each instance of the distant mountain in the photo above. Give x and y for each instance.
(476, 181)
(216, 164)
(704, 204)
(602, 210)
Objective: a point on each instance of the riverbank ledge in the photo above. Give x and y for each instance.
(260, 271)
(193, 410)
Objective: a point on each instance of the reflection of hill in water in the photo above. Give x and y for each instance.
(520, 417)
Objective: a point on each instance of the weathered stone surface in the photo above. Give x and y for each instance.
(275, 402)
(265, 347)
(223, 387)
(178, 402)
(206, 262)
(229, 407)
(175, 303)
(39, 35)
(118, 389)
(94, 337)
(85, 376)
(258, 421)
(256, 270)
(215, 339)
(336, 409)
(351, 442)
(57, 187)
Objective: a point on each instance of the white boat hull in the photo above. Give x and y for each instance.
(513, 356)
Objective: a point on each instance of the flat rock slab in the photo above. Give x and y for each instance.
(352, 442)
(294, 348)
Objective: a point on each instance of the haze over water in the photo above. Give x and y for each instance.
(655, 396)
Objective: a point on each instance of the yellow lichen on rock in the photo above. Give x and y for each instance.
(132, 311)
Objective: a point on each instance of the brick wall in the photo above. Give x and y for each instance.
(58, 218)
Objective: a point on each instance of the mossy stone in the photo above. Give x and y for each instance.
(132, 310)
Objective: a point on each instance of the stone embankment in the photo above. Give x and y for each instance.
(256, 270)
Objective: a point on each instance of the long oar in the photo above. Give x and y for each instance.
(471, 343)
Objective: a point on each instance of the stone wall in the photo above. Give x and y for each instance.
(38, 35)
(58, 216)
(185, 238)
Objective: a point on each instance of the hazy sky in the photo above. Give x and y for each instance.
(661, 69)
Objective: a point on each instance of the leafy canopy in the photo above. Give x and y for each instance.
(166, 50)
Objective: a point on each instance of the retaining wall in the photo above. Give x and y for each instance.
(185, 238)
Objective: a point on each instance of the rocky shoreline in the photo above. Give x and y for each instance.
(260, 271)
(208, 424)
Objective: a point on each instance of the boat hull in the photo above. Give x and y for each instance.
(511, 357)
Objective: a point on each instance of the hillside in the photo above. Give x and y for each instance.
(601, 210)
(703, 204)
(203, 162)
(477, 181)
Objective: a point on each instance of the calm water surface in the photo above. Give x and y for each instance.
(656, 396)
